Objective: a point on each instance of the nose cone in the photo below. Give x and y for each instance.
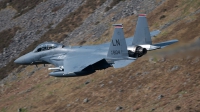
(17, 61)
(20, 60)
(24, 60)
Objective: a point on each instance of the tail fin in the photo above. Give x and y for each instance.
(118, 47)
(142, 34)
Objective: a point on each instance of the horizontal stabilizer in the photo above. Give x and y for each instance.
(122, 63)
(166, 43)
(154, 33)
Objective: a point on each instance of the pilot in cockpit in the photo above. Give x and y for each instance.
(47, 46)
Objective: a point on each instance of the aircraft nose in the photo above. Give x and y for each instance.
(24, 60)
(19, 60)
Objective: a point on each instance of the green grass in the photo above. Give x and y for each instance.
(3, 109)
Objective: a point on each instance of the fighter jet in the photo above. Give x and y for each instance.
(85, 60)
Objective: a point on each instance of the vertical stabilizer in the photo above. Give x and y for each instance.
(142, 34)
(118, 47)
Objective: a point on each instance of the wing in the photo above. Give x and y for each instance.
(76, 63)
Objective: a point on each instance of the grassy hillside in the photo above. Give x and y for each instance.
(163, 80)
(180, 16)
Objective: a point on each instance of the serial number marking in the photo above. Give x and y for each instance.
(61, 56)
(115, 52)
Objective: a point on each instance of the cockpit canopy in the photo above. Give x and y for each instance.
(47, 46)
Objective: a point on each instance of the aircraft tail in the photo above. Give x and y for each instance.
(118, 47)
(118, 53)
(142, 35)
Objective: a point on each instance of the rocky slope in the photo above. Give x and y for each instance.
(166, 80)
(32, 24)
